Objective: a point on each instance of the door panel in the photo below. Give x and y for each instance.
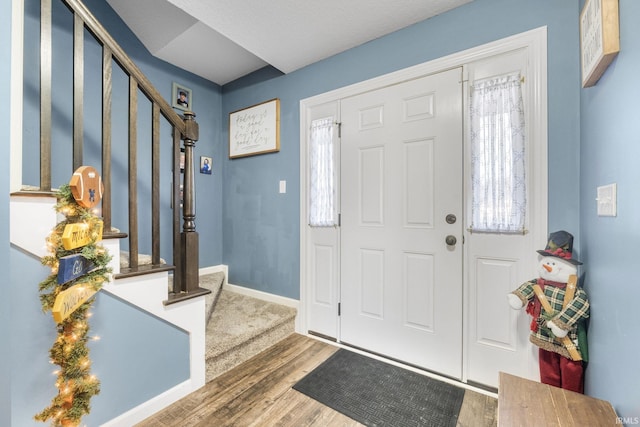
(497, 336)
(401, 175)
(322, 254)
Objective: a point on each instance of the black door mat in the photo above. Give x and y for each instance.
(376, 393)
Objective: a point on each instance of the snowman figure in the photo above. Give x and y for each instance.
(559, 309)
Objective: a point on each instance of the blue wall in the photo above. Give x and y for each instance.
(5, 286)
(261, 226)
(609, 154)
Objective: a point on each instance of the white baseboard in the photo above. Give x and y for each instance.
(151, 406)
(216, 269)
(265, 296)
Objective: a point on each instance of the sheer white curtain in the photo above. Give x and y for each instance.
(499, 194)
(322, 191)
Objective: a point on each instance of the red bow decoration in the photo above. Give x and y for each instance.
(561, 253)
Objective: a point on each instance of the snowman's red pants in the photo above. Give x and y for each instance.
(557, 370)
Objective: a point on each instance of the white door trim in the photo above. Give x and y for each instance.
(536, 42)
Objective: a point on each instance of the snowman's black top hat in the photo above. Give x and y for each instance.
(560, 245)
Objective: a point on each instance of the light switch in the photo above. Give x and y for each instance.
(606, 200)
(283, 187)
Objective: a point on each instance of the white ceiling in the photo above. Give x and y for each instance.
(222, 40)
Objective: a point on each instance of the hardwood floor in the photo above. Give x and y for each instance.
(259, 393)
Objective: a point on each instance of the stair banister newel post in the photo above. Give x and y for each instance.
(189, 236)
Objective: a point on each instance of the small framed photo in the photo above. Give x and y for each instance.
(182, 97)
(205, 165)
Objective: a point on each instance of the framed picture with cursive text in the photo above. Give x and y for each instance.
(255, 130)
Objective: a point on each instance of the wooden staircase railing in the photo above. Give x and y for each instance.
(184, 128)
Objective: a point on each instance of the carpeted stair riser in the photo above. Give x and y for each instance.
(221, 363)
(241, 327)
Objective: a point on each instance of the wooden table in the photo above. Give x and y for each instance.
(522, 402)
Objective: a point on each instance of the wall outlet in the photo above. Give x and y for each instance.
(606, 199)
(283, 187)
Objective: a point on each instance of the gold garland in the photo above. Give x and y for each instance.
(76, 385)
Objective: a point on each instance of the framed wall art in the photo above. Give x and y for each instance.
(182, 97)
(206, 165)
(599, 38)
(255, 130)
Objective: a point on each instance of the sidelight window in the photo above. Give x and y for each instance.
(322, 174)
(498, 181)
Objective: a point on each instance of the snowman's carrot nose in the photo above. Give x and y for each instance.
(547, 267)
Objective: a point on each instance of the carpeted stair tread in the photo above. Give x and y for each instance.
(241, 327)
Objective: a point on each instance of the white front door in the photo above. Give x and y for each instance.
(394, 300)
(401, 229)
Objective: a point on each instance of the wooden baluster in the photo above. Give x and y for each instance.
(133, 173)
(45, 94)
(155, 185)
(176, 203)
(78, 91)
(107, 88)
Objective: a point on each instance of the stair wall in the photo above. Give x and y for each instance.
(32, 219)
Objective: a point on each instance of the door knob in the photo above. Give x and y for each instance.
(451, 240)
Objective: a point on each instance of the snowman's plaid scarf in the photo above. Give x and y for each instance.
(566, 318)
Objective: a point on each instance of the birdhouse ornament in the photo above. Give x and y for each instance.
(559, 309)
